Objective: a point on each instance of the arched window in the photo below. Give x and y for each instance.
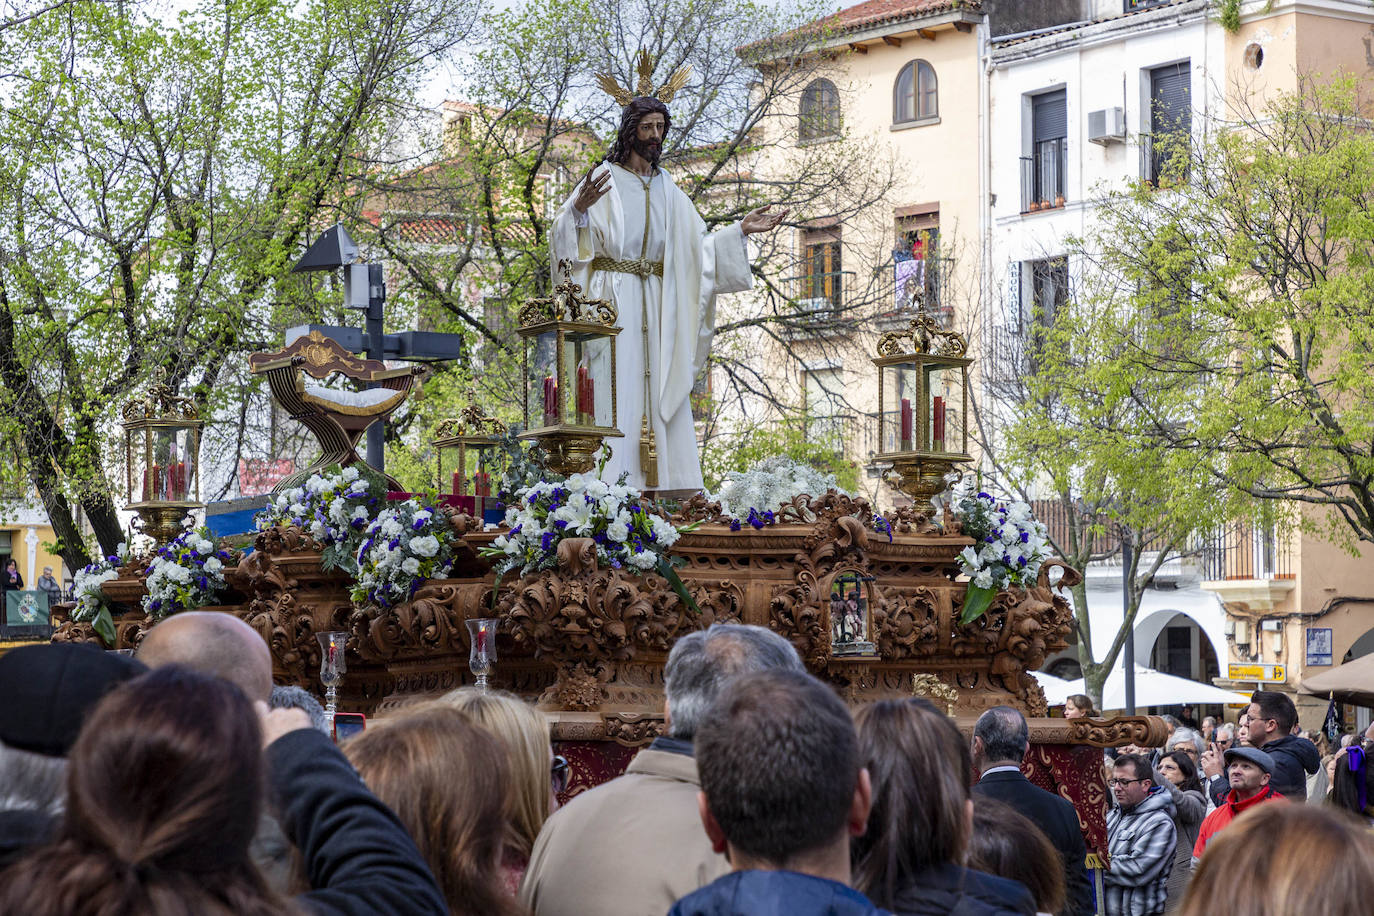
(820, 111)
(915, 96)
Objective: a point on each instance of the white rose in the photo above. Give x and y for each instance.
(410, 566)
(983, 579)
(349, 474)
(213, 565)
(426, 546)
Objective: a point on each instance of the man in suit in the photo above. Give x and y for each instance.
(1000, 742)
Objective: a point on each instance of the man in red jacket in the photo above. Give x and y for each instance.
(1248, 769)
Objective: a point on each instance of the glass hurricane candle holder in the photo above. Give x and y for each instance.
(332, 669)
(482, 649)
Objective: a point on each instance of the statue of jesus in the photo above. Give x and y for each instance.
(635, 238)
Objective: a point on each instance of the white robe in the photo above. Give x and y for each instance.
(681, 309)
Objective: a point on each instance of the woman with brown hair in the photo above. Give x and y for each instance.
(910, 858)
(445, 777)
(536, 774)
(1079, 706)
(1004, 842)
(1277, 860)
(164, 790)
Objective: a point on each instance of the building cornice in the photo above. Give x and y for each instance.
(1104, 31)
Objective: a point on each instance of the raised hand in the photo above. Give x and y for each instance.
(1212, 761)
(761, 220)
(592, 189)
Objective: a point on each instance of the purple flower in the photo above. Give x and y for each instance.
(769, 517)
(1021, 561)
(155, 604)
(615, 563)
(395, 542)
(1025, 537)
(560, 524)
(755, 519)
(547, 540)
(735, 525)
(414, 586)
(982, 495)
(359, 523)
(203, 582)
(516, 530)
(418, 524)
(111, 559)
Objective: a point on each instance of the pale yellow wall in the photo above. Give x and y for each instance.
(42, 555)
(936, 163)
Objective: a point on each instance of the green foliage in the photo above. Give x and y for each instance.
(158, 177)
(1244, 308)
(1228, 14)
(734, 451)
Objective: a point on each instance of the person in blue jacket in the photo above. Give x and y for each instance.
(783, 792)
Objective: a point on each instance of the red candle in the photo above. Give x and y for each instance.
(457, 483)
(179, 480)
(939, 422)
(906, 424)
(157, 481)
(550, 400)
(481, 639)
(147, 487)
(591, 400)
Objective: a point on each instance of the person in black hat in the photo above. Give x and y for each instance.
(1249, 770)
(49, 689)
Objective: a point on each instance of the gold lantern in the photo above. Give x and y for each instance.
(922, 406)
(454, 437)
(162, 459)
(570, 394)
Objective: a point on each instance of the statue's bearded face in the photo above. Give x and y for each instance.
(648, 138)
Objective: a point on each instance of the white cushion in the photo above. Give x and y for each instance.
(368, 397)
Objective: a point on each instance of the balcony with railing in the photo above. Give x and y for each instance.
(1044, 176)
(816, 302)
(1250, 564)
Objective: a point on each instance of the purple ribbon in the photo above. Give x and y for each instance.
(1355, 757)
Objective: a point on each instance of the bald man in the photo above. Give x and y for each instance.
(213, 643)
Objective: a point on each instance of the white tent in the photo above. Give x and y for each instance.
(1155, 688)
(1057, 690)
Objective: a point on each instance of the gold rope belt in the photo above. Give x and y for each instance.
(637, 266)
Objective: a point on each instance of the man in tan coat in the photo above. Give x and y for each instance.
(634, 846)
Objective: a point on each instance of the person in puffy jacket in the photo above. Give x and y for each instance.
(1141, 839)
(783, 790)
(1272, 718)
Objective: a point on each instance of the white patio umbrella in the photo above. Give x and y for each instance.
(1155, 688)
(1057, 690)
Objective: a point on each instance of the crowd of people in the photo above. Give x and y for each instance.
(181, 781)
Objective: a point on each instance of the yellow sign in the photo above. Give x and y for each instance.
(1269, 673)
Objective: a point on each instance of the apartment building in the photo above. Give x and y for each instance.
(1081, 107)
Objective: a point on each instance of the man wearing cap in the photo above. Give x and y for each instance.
(48, 690)
(1248, 769)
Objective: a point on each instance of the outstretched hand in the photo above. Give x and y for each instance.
(591, 190)
(761, 220)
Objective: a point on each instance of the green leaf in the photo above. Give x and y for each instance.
(104, 627)
(665, 569)
(976, 603)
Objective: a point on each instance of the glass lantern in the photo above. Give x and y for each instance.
(454, 439)
(922, 406)
(162, 459)
(570, 399)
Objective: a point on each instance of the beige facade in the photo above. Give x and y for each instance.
(906, 89)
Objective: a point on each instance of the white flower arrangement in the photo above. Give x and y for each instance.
(1010, 545)
(404, 545)
(334, 508)
(627, 536)
(91, 606)
(186, 574)
(753, 496)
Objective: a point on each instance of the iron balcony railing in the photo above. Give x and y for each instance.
(1044, 176)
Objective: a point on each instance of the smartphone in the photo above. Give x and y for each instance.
(348, 724)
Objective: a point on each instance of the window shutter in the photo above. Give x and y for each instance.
(1050, 116)
(1169, 92)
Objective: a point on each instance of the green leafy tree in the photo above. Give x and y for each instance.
(157, 180)
(1257, 272)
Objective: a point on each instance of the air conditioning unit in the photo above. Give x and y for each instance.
(1106, 126)
(1242, 633)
